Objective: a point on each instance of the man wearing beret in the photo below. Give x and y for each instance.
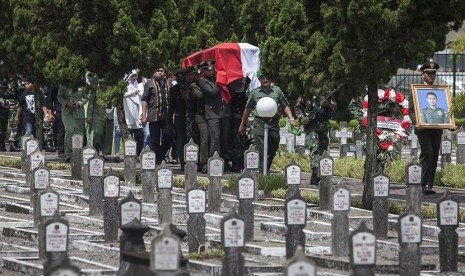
(429, 139)
(266, 90)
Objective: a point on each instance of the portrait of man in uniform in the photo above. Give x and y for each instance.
(432, 104)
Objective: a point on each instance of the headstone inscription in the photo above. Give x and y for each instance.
(381, 184)
(233, 242)
(148, 176)
(165, 253)
(24, 151)
(252, 163)
(343, 134)
(33, 161)
(460, 158)
(299, 264)
(40, 181)
(446, 151)
(245, 195)
(191, 156)
(164, 183)
(110, 206)
(215, 189)
(413, 182)
(134, 260)
(410, 237)
(96, 168)
(325, 172)
(448, 221)
(358, 137)
(130, 159)
(130, 208)
(292, 174)
(48, 205)
(56, 231)
(87, 153)
(196, 224)
(362, 251)
(300, 143)
(340, 207)
(295, 218)
(77, 142)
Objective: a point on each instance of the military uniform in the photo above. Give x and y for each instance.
(9, 98)
(100, 128)
(258, 124)
(434, 116)
(72, 102)
(314, 119)
(201, 124)
(4, 110)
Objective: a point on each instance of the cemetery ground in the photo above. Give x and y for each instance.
(264, 253)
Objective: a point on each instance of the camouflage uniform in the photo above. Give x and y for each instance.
(12, 99)
(4, 110)
(315, 119)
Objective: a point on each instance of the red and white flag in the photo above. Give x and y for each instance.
(233, 61)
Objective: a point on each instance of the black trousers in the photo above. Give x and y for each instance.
(159, 139)
(219, 131)
(430, 143)
(59, 132)
(138, 134)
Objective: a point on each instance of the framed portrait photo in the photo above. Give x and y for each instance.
(432, 104)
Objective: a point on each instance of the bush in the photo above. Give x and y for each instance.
(453, 176)
(282, 159)
(396, 171)
(353, 124)
(271, 182)
(349, 167)
(334, 125)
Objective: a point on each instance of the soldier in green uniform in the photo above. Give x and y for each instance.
(4, 111)
(432, 114)
(266, 90)
(314, 117)
(429, 139)
(73, 115)
(100, 122)
(9, 100)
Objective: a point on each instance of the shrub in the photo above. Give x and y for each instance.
(353, 124)
(396, 171)
(282, 159)
(334, 125)
(453, 176)
(271, 182)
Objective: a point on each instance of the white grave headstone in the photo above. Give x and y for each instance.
(234, 233)
(111, 186)
(56, 237)
(48, 204)
(41, 179)
(296, 212)
(410, 227)
(148, 160)
(165, 178)
(364, 248)
(246, 188)
(196, 199)
(448, 212)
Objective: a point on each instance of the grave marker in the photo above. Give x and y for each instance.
(299, 264)
(290, 142)
(148, 176)
(215, 189)
(358, 137)
(300, 143)
(460, 158)
(362, 251)
(24, 139)
(191, 156)
(164, 183)
(325, 172)
(196, 224)
(165, 253)
(448, 221)
(233, 241)
(343, 134)
(48, 205)
(246, 195)
(40, 181)
(410, 237)
(87, 153)
(64, 269)
(413, 182)
(340, 208)
(96, 167)
(295, 218)
(381, 184)
(110, 207)
(292, 174)
(77, 142)
(252, 163)
(446, 151)
(130, 208)
(56, 231)
(130, 159)
(134, 260)
(413, 145)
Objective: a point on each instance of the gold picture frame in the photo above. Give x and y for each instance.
(432, 113)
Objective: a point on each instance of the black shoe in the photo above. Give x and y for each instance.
(49, 149)
(427, 191)
(67, 159)
(14, 148)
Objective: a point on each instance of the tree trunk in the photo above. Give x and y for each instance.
(371, 162)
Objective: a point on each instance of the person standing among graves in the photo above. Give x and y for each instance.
(266, 90)
(4, 111)
(177, 112)
(31, 103)
(314, 117)
(58, 127)
(217, 111)
(12, 100)
(155, 111)
(133, 110)
(196, 108)
(100, 122)
(429, 139)
(72, 102)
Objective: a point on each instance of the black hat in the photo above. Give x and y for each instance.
(430, 66)
(208, 64)
(190, 70)
(178, 73)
